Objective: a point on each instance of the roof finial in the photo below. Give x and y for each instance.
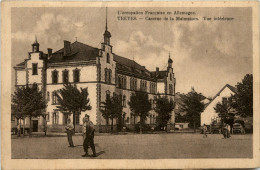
(169, 54)
(76, 38)
(35, 39)
(106, 18)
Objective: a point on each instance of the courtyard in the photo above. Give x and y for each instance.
(136, 146)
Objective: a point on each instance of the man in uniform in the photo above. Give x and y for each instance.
(70, 132)
(89, 137)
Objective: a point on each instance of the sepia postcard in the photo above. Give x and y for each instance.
(130, 85)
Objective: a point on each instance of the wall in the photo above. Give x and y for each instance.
(209, 113)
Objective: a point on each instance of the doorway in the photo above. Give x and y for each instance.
(35, 126)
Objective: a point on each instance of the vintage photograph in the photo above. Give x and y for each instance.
(136, 83)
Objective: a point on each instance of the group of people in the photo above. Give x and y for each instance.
(87, 133)
(225, 131)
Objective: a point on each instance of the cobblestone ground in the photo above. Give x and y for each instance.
(136, 146)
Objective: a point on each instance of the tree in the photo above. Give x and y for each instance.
(28, 101)
(242, 101)
(164, 107)
(72, 100)
(225, 111)
(112, 108)
(191, 104)
(140, 106)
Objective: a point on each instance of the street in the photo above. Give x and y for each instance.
(136, 146)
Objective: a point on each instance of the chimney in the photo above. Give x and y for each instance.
(67, 48)
(49, 52)
(157, 71)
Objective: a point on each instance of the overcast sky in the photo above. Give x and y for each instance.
(206, 54)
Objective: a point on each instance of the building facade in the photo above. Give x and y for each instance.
(101, 71)
(209, 115)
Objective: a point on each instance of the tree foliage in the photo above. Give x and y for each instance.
(140, 106)
(191, 104)
(164, 108)
(72, 100)
(28, 101)
(225, 111)
(112, 108)
(242, 101)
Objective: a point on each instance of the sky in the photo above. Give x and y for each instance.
(206, 54)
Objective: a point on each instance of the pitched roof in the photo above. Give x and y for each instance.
(233, 89)
(130, 67)
(79, 52)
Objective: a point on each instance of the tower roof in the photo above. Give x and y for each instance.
(170, 60)
(35, 42)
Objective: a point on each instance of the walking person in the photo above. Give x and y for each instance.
(70, 132)
(205, 131)
(89, 137)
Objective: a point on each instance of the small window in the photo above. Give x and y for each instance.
(48, 96)
(224, 100)
(65, 76)
(54, 77)
(107, 94)
(12, 118)
(55, 118)
(76, 76)
(124, 101)
(108, 58)
(54, 98)
(34, 68)
(48, 117)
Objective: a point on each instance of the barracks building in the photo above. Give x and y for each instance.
(102, 71)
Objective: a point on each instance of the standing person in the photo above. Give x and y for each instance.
(224, 130)
(70, 132)
(84, 128)
(228, 131)
(205, 131)
(89, 139)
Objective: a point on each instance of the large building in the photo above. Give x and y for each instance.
(101, 70)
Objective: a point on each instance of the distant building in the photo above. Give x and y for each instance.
(102, 71)
(209, 114)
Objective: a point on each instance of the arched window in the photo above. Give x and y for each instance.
(108, 58)
(76, 75)
(65, 76)
(107, 94)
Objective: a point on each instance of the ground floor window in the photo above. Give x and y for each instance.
(55, 118)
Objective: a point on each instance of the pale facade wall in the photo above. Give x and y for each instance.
(209, 113)
(160, 87)
(87, 73)
(35, 58)
(21, 77)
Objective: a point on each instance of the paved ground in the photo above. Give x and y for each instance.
(135, 146)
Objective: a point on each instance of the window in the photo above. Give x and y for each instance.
(12, 118)
(54, 77)
(224, 100)
(108, 74)
(108, 58)
(76, 76)
(143, 85)
(170, 76)
(48, 96)
(107, 94)
(54, 98)
(124, 101)
(55, 118)
(34, 68)
(48, 117)
(170, 89)
(65, 76)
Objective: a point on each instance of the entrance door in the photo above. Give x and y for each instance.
(35, 126)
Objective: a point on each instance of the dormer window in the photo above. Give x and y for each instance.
(34, 69)
(108, 58)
